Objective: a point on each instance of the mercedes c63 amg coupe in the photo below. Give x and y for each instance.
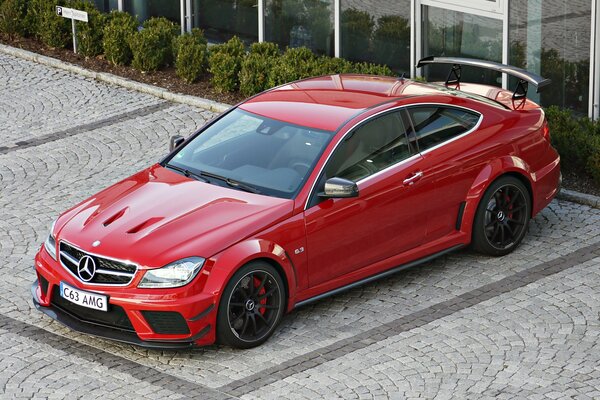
(295, 194)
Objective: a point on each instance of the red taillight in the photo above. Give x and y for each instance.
(546, 130)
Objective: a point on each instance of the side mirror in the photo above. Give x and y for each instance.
(175, 142)
(339, 188)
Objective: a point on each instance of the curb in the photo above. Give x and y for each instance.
(156, 91)
(581, 198)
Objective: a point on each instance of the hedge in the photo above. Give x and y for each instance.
(191, 55)
(577, 140)
(152, 46)
(116, 37)
(12, 17)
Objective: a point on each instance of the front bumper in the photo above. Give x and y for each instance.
(135, 316)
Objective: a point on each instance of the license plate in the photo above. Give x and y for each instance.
(83, 298)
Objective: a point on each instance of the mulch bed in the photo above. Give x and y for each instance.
(167, 79)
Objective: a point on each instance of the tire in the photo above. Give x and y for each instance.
(502, 217)
(248, 314)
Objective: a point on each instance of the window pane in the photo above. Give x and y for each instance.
(372, 147)
(145, 9)
(106, 5)
(435, 125)
(456, 34)
(274, 156)
(222, 19)
(297, 23)
(552, 38)
(377, 31)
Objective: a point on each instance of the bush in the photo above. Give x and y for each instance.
(332, 65)
(267, 49)
(152, 46)
(254, 74)
(54, 31)
(191, 55)
(35, 12)
(89, 34)
(195, 37)
(296, 63)
(225, 63)
(577, 140)
(372, 69)
(117, 35)
(12, 17)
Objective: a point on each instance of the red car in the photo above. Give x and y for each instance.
(295, 194)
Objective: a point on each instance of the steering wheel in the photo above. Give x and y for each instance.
(300, 167)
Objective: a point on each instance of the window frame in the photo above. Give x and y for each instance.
(439, 105)
(312, 194)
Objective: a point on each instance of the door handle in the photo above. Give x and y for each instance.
(413, 178)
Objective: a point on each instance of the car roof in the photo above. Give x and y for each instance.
(326, 102)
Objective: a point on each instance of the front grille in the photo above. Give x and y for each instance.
(108, 272)
(166, 322)
(115, 317)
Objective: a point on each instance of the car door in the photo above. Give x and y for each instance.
(388, 216)
(449, 160)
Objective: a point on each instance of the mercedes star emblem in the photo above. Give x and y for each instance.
(86, 269)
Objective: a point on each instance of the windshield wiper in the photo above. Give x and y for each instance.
(231, 182)
(186, 172)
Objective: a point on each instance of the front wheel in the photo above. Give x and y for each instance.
(251, 306)
(502, 217)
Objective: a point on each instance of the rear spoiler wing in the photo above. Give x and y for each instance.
(525, 77)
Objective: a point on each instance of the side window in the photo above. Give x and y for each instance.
(370, 148)
(435, 125)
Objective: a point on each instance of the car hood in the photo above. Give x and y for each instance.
(158, 216)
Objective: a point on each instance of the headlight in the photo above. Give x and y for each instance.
(50, 243)
(175, 274)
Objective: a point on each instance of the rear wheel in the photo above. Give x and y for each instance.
(502, 217)
(251, 306)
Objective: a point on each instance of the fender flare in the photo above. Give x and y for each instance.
(492, 171)
(226, 263)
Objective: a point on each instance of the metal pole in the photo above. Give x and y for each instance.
(188, 22)
(337, 38)
(120, 5)
(74, 35)
(182, 15)
(261, 20)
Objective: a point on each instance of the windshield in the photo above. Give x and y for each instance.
(254, 153)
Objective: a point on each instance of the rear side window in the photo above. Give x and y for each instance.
(435, 125)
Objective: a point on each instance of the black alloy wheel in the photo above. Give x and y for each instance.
(502, 217)
(251, 306)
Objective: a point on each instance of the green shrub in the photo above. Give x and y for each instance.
(267, 49)
(152, 46)
(89, 34)
(372, 69)
(332, 65)
(254, 75)
(54, 31)
(35, 12)
(117, 35)
(225, 63)
(195, 37)
(296, 63)
(191, 55)
(12, 17)
(577, 140)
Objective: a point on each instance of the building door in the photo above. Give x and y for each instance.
(462, 28)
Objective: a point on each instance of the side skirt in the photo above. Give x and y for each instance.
(378, 276)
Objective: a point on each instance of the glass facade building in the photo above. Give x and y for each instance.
(555, 38)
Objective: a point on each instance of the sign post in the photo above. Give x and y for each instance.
(74, 15)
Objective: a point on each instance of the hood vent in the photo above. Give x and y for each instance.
(114, 217)
(145, 225)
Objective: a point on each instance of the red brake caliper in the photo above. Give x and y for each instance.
(262, 291)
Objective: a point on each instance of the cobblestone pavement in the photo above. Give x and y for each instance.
(463, 326)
